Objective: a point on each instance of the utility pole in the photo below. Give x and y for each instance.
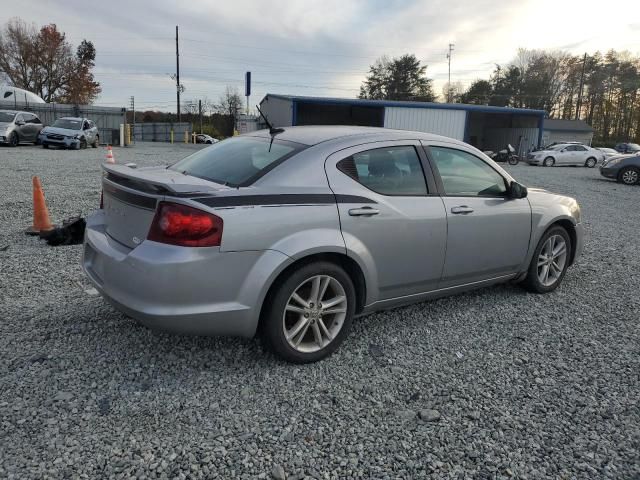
(579, 104)
(133, 109)
(200, 113)
(451, 45)
(178, 76)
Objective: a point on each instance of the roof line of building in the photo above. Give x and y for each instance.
(396, 103)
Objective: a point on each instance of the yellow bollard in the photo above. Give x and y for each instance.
(186, 137)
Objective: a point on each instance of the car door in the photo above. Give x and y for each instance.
(30, 128)
(581, 154)
(569, 155)
(21, 127)
(487, 231)
(391, 216)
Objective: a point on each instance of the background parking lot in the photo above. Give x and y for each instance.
(493, 383)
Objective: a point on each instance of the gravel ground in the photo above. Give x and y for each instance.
(496, 383)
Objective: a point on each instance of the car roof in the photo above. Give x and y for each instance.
(15, 112)
(72, 118)
(315, 134)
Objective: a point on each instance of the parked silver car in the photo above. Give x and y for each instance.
(70, 132)
(566, 154)
(294, 234)
(19, 127)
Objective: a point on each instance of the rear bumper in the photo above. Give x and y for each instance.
(609, 172)
(198, 291)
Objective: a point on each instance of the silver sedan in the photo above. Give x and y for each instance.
(294, 233)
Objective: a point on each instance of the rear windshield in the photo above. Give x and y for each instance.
(6, 117)
(237, 161)
(68, 124)
(633, 146)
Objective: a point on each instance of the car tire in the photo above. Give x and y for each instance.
(295, 324)
(629, 176)
(96, 143)
(591, 162)
(45, 145)
(549, 162)
(13, 139)
(553, 252)
(83, 143)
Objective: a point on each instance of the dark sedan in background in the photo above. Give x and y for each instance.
(623, 168)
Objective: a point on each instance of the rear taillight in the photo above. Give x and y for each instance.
(185, 226)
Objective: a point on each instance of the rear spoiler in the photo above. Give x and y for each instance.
(159, 180)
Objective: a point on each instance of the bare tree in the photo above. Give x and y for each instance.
(231, 102)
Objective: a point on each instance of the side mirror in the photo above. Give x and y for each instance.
(516, 190)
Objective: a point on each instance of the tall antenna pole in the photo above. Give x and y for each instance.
(178, 76)
(451, 45)
(579, 103)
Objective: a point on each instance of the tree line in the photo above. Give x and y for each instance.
(601, 89)
(42, 61)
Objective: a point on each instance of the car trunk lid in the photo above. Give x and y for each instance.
(130, 197)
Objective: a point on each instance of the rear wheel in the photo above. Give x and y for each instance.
(550, 261)
(549, 162)
(45, 145)
(629, 176)
(590, 163)
(96, 142)
(13, 139)
(310, 313)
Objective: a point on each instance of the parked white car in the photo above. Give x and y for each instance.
(566, 154)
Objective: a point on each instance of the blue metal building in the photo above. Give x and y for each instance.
(486, 127)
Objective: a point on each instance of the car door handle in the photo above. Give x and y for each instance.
(462, 209)
(363, 212)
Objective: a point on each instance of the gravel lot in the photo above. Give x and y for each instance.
(497, 383)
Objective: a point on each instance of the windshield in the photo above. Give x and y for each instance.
(6, 117)
(237, 161)
(68, 124)
(557, 147)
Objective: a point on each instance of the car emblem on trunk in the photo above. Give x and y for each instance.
(136, 240)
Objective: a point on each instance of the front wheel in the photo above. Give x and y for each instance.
(629, 176)
(13, 139)
(590, 163)
(550, 261)
(83, 144)
(549, 162)
(310, 313)
(513, 160)
(96, 142)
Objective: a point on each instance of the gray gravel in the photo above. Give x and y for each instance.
(493, 384)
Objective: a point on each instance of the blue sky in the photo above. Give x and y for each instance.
(321, 48)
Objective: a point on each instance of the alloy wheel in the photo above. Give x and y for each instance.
(591, 162)
(630, 177)
(552, 260)
(314, 313)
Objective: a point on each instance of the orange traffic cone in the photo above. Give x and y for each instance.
(110, 158)
(41, 222)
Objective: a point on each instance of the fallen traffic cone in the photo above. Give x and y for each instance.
(41, 222)
(110, 158)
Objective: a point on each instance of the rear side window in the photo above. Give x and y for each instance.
(466, 175)
(237, 161)
(388, 171)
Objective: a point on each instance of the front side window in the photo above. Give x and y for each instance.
(464, 174)
(237, 161)
(388, 171)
